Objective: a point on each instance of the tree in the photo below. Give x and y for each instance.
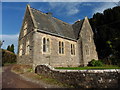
(106, 28)
(8, 48)
(12, 48)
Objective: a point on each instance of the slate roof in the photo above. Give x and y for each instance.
(77, 28)
(49, 24)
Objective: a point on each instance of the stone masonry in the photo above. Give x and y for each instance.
(41, 25)
(94, 79)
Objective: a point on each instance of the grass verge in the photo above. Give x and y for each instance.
(5, 64)
(88, 68)
(27, 72)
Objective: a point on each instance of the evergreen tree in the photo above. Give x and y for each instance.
(106, 28)
(12, 48)
(8, 48)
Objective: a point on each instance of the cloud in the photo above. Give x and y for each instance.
(104, 6)
(87, 4)
(69, 8)
(10, 39)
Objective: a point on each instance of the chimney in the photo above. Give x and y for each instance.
(49, 14)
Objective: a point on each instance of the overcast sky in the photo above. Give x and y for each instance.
(13, 13)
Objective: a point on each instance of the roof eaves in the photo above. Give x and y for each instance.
(43, 31)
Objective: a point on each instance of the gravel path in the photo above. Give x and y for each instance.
(12, 80)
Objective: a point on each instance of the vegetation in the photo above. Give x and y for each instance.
(27, 72)
(106, 28)
(88, 68)
(8, 57)
(1, 43)
(95, 63)
(11, 48)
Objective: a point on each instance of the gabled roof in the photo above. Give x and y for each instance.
(77, 28)
(49, 24)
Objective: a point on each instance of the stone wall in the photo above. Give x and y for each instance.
(53, 58)
(87, 42)
(26, 59)
(83, 78)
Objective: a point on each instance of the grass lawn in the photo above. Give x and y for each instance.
(86, 68)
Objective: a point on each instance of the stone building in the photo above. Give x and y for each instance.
(44, 39)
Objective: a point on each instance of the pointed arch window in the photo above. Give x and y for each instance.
(87, 50)
(89, 37)
(61, 47)
(46, 45)
(72, 49)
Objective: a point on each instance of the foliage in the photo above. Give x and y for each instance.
(8, 57)
(95, 63)
(11, 48)
(106, 28)
(8, 48)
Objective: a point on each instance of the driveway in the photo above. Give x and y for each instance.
(12, 80)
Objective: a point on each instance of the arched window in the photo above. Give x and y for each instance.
(27, 47)
(87, 50)
(46, 45)
(72, 49)
(25, 28)
(61, 47)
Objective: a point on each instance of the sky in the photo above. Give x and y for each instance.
(13, 15)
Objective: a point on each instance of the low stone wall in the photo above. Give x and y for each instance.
(83, 78)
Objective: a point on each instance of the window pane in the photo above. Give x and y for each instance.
(44, 45)
(62, 48)
(71, 49)
(59, 47)
(48, 45)
(87, 50)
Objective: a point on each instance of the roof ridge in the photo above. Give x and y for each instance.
(52, 16)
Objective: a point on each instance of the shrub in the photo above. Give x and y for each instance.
(94, 62)
(8, 57)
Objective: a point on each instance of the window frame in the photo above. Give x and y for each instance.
(72, 49)
(46, 45)
(61, 48)
(87, 50)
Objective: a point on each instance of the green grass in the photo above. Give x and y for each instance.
(5, 64)
(88, 68)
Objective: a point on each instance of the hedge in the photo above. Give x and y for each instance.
(8, 57)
